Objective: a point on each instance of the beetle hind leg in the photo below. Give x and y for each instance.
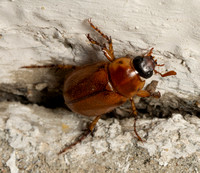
(83, 136)
(95, 42)
(109, 53)
(99, 31)
(58, 66)
(106, 52)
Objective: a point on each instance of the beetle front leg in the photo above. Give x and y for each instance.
(150, 90)
(150, 52)
(145, 93)
(83, 136)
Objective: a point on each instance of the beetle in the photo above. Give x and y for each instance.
(95, 89)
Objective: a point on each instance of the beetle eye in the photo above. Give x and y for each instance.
(144, 66)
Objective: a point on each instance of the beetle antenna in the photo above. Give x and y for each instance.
(160, 65)
(169, 73)
(157, 64)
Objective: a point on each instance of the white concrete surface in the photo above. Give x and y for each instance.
(41, 32)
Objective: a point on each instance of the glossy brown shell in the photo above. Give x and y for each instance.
(88, 91)
(124, 78)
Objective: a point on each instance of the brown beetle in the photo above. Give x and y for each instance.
(96, 89)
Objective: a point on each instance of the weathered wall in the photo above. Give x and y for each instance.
(45, 32)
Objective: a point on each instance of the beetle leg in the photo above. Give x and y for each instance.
(135, 115)
(150, 90)
(150, 52)
(59, 66)
(143, 93)
(109, 39)
(94, 122)
(98, 30)
(106, 52)
(83, 136)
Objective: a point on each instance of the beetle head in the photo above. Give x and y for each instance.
(145, 66)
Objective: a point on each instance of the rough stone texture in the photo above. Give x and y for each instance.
(31, 137)
(35, 124)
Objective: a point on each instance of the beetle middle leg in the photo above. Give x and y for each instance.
(135, 115)
(150, 91)
(84, 135)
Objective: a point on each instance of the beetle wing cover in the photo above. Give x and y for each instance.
(86, 81)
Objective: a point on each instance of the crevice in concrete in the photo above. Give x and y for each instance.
(146, 107)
